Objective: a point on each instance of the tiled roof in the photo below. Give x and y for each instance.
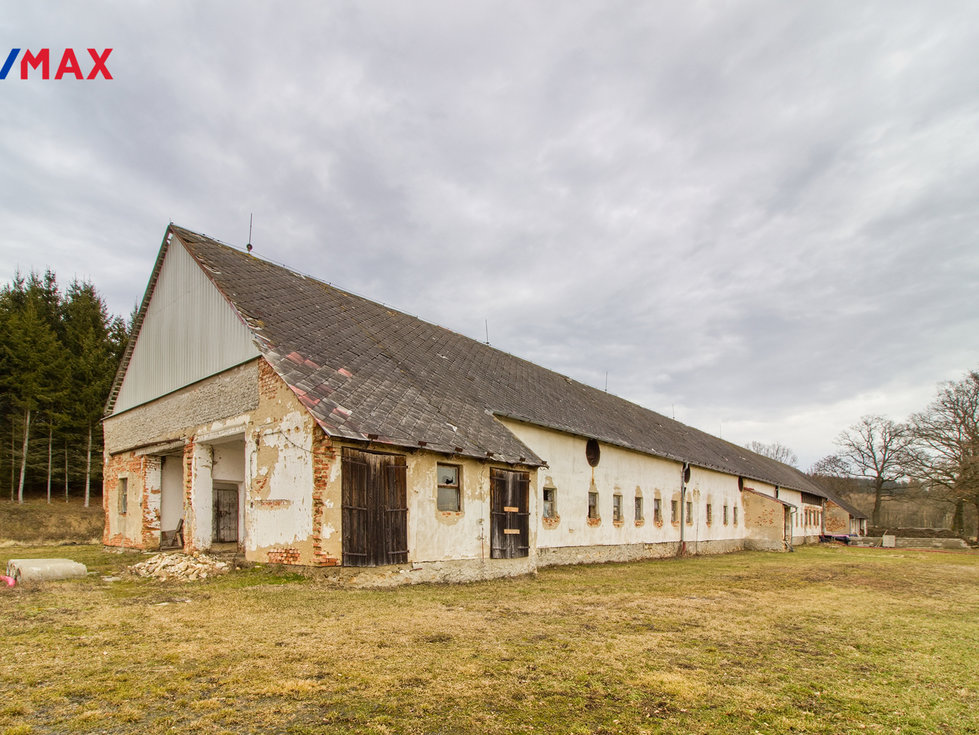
(368, 372)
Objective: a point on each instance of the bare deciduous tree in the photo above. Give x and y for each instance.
(874, 448)
(775, 450)
(945, 453)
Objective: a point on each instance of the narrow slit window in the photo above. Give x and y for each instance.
(689, 513)
(550, 502)
(122, 489)
(617, 508)
(593, 505)
(657, 510)
(639, 511)
(674, 511)
(709, 516)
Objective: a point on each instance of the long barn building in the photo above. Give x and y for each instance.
(259, 409)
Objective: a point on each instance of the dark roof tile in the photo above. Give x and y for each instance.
(364, 369)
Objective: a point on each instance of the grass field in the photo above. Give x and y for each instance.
(35, 520)
(825, 640)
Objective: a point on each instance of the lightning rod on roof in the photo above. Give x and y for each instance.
(486, 322)
(248, 247)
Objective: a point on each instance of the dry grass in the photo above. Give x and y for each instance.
(827, 640)
(36, 521)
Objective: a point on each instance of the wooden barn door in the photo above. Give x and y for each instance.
(225, 519)
(509, 514)
(374, 509)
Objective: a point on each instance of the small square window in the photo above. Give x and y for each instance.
(122, 490)
(674, 511)
(617, 508)
(657, 510)
(710, 514)
(639, 515)
(689, 513)
(593, 505)
(449, 497)
(550, 502)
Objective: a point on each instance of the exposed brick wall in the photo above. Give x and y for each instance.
(188, 493)
(118, 530)
(324, 457)
(837, 520)
(268, 381)
(150, 506)
(284, 556)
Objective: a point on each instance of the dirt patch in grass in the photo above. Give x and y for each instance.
(820, 641)
(37, 521)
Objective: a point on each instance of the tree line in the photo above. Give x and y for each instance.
(59, 352)
(936, 452)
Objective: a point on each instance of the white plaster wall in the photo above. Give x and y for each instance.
(172, 496)
(718, 489)
(132, 522)
(435, 534)
(764, 488)
(626, 472)
(200, 515)
(229, 462)
(279, 471)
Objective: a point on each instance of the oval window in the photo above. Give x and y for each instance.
(592, 452)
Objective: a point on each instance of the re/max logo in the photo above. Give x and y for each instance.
(69, 64)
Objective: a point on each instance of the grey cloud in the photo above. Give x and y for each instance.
(755, 213)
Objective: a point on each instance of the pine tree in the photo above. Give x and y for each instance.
(58, 357)
(89, 339)
(35, 371)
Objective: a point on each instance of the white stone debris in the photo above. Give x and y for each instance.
(177, 567)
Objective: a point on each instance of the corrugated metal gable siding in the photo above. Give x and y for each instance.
(189, 333)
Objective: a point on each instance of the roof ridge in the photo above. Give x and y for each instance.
(358, 369)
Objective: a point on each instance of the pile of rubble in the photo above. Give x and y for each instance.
(180, 567)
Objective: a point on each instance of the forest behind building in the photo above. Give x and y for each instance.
(59, 352)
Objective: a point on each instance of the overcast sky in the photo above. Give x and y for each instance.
(760, 217)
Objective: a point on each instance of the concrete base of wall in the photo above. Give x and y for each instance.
(751, 544)
(450, 571)
(559, 555)
(914, 543)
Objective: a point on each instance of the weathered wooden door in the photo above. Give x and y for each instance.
(509, 514)
(374, 509)
(225, 525)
